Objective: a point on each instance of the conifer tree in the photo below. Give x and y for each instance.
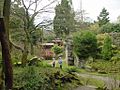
(64, 19)
(103, 17)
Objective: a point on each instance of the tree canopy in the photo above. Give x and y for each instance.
(85, 44)
(64, 19)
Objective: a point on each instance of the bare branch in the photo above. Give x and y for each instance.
(30, 4)
(42, 9)
(35, 7)
(16, 46)
(24, 4)
(44, 23)
(47, 5)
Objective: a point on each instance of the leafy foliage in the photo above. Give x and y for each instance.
(71, 69)
(94, 27)
(107, 28)
(107, 48)
(36, 36)
(110, 27)
(40, 78)
(116, 28)
(57, 49)
(85, 44)
(103, 66)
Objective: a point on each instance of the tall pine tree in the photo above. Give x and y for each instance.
(103, 17)
(64, 19)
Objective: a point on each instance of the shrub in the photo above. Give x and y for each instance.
(28, 79)
(110, 27)
(115, 59)
(71, 69)
(85, 44)
(102, 66)
(57, 49)
(107, 48)
(107, 28)
(40, 78)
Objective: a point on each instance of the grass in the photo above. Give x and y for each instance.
(92, 82)
(64, 65)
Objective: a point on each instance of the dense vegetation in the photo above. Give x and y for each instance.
(43, 77)
(85, 44)
(22, 36)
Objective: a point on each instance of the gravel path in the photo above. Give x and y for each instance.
(85, 88)
(110, 83)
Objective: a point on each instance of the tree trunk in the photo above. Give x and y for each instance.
(25, 54)
(7, 63)
(32, 49)
(6, 13)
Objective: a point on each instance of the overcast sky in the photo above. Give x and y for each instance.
(92, 7)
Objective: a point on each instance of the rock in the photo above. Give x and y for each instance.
(34, 61)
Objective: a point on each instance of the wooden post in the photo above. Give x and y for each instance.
(6, 57)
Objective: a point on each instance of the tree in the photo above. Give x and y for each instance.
(85, 44)
(107, 48)
(64, 19)
(4, 39)
(103, 17)
(81, 20)
(22, 11)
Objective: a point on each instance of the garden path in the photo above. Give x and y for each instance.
(110, 83)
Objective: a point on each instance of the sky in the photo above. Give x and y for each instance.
(92, 8)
